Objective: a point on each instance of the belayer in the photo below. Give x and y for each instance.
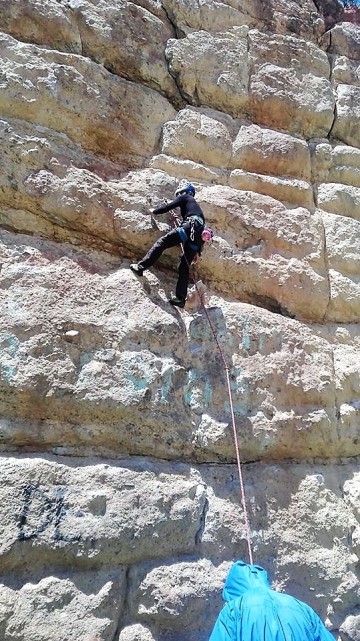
(255, 612)
(191, 234)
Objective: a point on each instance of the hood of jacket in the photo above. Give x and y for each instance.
(243, 577)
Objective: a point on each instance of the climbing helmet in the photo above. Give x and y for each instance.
(185, 188)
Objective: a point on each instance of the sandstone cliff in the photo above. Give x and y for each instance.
(120, 510)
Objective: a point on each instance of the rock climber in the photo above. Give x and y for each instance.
(191, 234)
(255, 612)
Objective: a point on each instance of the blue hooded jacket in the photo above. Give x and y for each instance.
(255, 612)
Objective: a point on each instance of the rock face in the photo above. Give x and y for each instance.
(120, 509)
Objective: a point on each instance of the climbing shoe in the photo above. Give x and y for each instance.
(177, 302)
(136, 269)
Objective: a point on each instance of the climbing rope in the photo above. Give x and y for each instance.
(236, 441)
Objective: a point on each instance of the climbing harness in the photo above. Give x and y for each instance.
(192, 220)
(206, 233)
(236, 443)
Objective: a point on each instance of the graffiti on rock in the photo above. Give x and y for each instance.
(43, 510)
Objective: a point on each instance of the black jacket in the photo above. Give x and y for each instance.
(188, 207)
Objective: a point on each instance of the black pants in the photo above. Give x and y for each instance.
(171, 240)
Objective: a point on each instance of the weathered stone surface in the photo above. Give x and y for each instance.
(316, 529)
(48, 23)
(346, 127)
(300, 18)
(345, 292)
(106, 114)
(287, 77)
(67, 194)
(54, 181)
(58, 608)
(196, 172)
(276, 80)
(210, 15)
(209, 138)
(88, 517)
(256, 246)
(345, 40)
(297, 192)
(352, 493)
(350, 629)
(206, 137)
(345, 341)
(127, 38)
(339, 199)
(136, 632)
(297, 543)
(196, 136)
(73, 197)
(103, 392)
(212, 68)
(335, 164)
(342, 244)
(345, 71)
(178, 592)
(266, 151)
